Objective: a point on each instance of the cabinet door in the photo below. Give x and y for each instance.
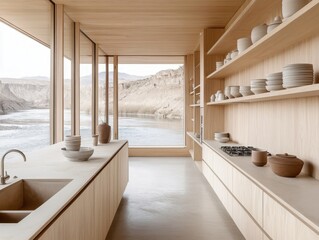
(245, 223)
(208, 155)
(77, 221)
(123, 171)
(280, 224)
(208, 174)
(102, 203)
(113, 166)
(248, 194)
(223, 194)
(223, 170)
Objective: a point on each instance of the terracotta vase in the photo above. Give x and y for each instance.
(104, 131)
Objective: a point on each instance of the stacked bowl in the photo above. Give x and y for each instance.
(258, 86)
(234, 91)
(243, 44)
(296, 75)
(227, 92)
(219, 65)
(245, 91)
(274, 82)
(73, 143)
(222, 137)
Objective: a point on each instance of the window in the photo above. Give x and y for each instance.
(25, 74)
(86, 70)
(151, 104)
(68, 71)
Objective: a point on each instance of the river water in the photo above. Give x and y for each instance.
(29, 130)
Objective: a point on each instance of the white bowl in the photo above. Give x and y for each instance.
(222, 139)
(289, 7)
(258, 32)
(243, 44)
(78, 156)
(221, 134)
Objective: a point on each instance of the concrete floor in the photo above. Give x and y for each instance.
(169, 199)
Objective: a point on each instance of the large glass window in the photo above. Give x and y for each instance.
(86, 70)
(151, 104)
(25, 74)
(68, 71)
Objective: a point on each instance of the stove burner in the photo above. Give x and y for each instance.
(236, 151)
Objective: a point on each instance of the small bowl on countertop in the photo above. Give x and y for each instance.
(285, 165)
(78, 156)
(222, 139)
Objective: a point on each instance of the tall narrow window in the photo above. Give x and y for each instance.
(25, 74)
(86, 73)
(68, 71)
(151, 100)
(102, 78)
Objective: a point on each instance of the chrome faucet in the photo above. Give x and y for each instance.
(4, 176)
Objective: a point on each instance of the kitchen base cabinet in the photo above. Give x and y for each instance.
(91, 214)
(279, 223)
(245, 223)
(248, 194)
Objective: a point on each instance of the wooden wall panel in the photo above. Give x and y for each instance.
(279, 126)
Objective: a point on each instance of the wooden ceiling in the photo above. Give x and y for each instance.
(149, 27)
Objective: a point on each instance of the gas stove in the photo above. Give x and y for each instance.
(236, 151)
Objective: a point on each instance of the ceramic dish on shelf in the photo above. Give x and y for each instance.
(78, 156)
(243, 44)
(277, 21)
(289, 7)
(258, 32)
(222, 139)
(298, 74)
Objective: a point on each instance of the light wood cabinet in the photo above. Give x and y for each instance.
(223, 170)
(245, 223)
(248, 194)
(208, 156)
(91, 214)
(279, 223)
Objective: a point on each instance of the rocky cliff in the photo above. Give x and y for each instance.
(160, 94)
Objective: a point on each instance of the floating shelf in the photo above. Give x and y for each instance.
(192, 136)
(198, 65)
(195, 105)
(298, 92)
(191, 93)
(197, 94)
(275, 41)
(255, 13)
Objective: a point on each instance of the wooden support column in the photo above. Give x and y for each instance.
(95, 88)
(75, 85)
(58, 82)
(106, 90)
(115, 98)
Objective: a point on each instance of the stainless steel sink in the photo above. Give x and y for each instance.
(13, 216)
(29, 194)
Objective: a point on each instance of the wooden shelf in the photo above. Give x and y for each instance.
(198, 86)
(192, 93)
(255, 13)
(298, 92)
(192, 136)
(197, 94)
(198, 65)
(195, 105)
(275, 41)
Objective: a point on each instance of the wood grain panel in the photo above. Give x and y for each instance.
(283, 125)
(149, 27)
(281, 224)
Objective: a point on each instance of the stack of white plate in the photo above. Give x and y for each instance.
(245, 90)
(234, 91)
(274, 81)
(222, 137)
(258, 86)
(296, 75)
(219, 65)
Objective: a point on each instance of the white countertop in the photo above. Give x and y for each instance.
(49, 163)
(300, 195)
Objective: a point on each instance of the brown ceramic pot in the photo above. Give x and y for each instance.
(104, 131)
(286, 165)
